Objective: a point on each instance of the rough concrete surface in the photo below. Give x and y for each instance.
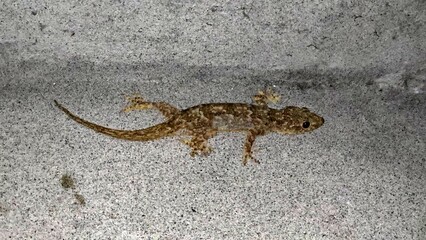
(359, 64)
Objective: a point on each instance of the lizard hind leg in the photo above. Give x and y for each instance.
(247, 155)
(136, 102)
(198, 143)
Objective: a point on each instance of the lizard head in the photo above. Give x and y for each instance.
(296, 120)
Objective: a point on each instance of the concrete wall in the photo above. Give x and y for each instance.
(291, 34)
(359, 64)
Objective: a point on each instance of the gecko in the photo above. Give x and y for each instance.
(204, 121)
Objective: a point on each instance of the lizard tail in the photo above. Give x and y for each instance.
(155, 132)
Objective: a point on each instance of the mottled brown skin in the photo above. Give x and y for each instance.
(204, 121)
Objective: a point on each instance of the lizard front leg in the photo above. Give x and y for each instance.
(263, 97)
(136, 102)
(251, 136)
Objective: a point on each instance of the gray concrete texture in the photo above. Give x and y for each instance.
(359, 64)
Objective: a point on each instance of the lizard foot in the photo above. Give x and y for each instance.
(197, 148)
(247, 157)
(136, 102)
(268, 95)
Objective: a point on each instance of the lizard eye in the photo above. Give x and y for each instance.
(306, 124)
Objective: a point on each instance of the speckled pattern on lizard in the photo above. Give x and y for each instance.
(204, 121)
